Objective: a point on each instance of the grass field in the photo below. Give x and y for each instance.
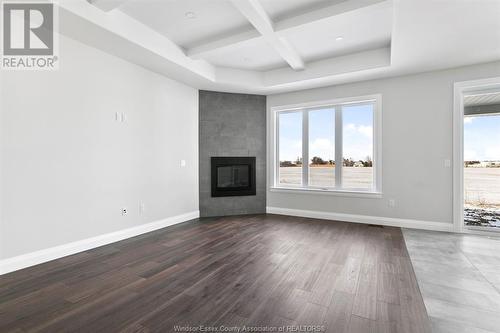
(482, 197)
(482, 185)
(325, 176)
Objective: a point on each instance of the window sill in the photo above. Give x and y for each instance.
(342, 193)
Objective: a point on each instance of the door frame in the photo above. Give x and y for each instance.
(459, 89)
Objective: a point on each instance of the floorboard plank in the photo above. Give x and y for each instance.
(254, 270)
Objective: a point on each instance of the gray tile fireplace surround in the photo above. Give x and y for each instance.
(232, 125)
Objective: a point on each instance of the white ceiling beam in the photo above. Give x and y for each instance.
(117, 33)
(198, 51)
(320, 69)
(322, 13)
(106, 5)
(256, 15)
(233, 39)
(349, 68)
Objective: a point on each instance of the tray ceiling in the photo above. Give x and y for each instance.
(272, 46)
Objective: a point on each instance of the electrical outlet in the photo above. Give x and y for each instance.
(124, 211)
(392, 203)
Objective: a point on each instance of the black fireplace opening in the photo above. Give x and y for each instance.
(233, 176)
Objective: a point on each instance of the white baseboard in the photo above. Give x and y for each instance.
(389, 221)
(41, 256)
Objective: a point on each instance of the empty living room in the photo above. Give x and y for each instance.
(297, 166)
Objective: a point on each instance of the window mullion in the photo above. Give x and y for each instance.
(339, 161)
(305, 148)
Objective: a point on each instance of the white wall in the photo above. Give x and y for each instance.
(69, 167)
(417, 138)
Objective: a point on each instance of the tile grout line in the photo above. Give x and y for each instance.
(477, 269)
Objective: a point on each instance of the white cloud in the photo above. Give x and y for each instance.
(488, 153)
(470, 155)
(358, 141)
(361, 129)
(366, 130)
(358, 151)
(321, 144)
(468, 120)
(323, 148)
(357, 145)
(350, 127)
(492, 153)
(290, 149)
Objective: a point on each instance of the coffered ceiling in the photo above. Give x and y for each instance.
(272, 46)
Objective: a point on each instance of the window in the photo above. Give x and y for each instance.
(290, 148)
(357, 123)
(322, 147)
(329, 146)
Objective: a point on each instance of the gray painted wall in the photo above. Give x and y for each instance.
(417, 114)
(69, 167)
(232, 125)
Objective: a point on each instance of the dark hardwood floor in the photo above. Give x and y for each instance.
(257, 270)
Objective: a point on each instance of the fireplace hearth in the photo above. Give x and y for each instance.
(232, 126)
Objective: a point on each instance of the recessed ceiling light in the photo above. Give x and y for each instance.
(190, 15)
(339, 38)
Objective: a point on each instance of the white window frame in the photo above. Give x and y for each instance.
(336, 104)
(459, 90)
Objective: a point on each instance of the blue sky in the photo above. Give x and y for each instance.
(482, 138)
(357, 127)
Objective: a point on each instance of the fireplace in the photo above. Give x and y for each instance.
(233, 176)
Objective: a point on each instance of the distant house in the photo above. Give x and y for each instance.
(358, 164)
(472, 164)
(483, 164)
(287, 164)
(490, 164)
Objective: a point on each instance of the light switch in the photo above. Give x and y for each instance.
(447, 163)
(183, 163)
